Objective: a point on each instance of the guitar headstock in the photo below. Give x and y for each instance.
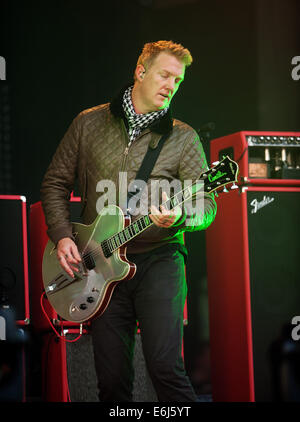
(221, 174)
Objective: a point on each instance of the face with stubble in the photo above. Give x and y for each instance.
(155, 86)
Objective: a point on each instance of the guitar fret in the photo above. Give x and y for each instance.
(126, 233)
(131, 231)
(110, 246)
(140, 225)
(122, 236)
(113, 243)
(118, 240)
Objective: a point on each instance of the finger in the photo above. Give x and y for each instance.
(74, 268)
(73, 255)
(165, 198)
(158, 218)
(164, 210)
(65, 266)
(165, 214)
(155, 220)
(154, 210)
(170, 221)
(162, 221)
(76, 253)
(68, 255)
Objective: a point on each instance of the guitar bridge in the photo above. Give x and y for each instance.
(63, 280)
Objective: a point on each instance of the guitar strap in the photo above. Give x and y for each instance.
(146, 168)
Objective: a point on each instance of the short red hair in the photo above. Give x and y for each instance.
(152, 49)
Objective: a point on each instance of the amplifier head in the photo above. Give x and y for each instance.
(263, 157)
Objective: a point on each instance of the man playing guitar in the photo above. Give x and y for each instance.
(104, 143)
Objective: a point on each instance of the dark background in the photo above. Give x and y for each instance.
(66, 56)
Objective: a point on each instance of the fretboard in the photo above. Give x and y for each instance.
(142, 223)
(119, 239)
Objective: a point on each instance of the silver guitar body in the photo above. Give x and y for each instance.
(88, 294)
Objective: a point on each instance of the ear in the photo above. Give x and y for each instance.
(139, 72)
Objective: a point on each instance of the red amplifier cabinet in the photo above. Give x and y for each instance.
(14, 255)
(38, 241)
(264, 158)
(253, 272)
(68, 370)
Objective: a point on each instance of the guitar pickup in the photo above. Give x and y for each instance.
(89, 262)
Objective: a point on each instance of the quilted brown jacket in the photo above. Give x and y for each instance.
(94, 149)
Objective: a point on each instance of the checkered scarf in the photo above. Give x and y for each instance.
(138, 122)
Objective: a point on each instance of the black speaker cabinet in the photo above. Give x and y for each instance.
(13, 370)
(68, 371)
(253, 268)
(14, 289)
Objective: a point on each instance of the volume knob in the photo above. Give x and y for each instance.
(90, 299)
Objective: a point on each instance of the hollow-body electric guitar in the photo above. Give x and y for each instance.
(102, 246)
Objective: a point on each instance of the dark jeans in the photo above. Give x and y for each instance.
(155, 297)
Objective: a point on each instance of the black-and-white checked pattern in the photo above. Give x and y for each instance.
(138, 122)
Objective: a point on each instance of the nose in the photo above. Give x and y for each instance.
(171, 85)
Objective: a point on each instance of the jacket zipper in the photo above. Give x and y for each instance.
(125, 153)
(127, 148)
(121, 180)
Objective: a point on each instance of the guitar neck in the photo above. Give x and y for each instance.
(142, 223)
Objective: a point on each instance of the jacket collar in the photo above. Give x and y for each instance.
(162, 126)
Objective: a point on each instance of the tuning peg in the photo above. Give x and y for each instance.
(215, 163)
(225, 190)
(234, 186)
